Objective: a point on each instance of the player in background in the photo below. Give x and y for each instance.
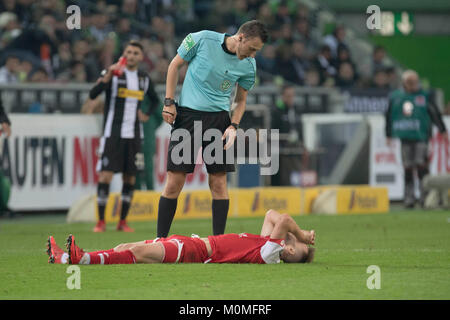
(217, 62)
(280, 239)
(125, 88)
(409, 117)
(4, 182)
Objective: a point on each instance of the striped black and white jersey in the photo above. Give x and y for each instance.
(124, 96)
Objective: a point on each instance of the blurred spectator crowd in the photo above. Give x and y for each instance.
(37, 46)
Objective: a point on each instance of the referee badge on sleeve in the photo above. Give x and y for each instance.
(188, 42)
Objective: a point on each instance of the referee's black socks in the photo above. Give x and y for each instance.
(166, 212)
(102, 198)
(219, 215)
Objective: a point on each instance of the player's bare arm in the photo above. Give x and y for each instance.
(169, 112)
(277, 226)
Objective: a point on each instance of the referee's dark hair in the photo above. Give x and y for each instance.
(135, 43)
(254, 28)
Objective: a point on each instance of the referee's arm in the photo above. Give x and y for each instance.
(169, 113)
(238, 109)
(239, 103)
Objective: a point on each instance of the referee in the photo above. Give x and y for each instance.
(122, 131)
(216, 63)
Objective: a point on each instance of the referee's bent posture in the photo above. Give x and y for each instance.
(216, 62)
(122, 132)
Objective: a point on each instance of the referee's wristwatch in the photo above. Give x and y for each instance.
(169, 102)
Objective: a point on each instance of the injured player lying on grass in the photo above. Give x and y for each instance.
(281, 239)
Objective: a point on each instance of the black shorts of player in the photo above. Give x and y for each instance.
(209, 120)
(117, 154)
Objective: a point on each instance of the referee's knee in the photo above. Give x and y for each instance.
(218, 189)
(173, 186)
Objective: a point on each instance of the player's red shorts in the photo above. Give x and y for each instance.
(183, 249)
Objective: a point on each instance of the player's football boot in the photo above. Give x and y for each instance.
(55, 253)
(75, 252)
(100, 226)
(123, 226)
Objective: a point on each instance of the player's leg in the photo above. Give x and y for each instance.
(140, 252)
(79, 256)
(126, 198)
(408, 165)
(132, 149)
(220, 203)
(148, 253)
(127, 246)
(421, 162)
(168, 201)
(128, 253)
(109, 161)
(104, 181)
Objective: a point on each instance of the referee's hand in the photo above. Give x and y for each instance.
(230, 133)
(169, 114)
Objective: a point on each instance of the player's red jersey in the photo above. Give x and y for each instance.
(244, 248)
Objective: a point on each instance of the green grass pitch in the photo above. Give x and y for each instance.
(412, 250)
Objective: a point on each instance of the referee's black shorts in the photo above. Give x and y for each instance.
(118, 154)
(209, 120)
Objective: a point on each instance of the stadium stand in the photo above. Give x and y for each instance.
(47, 68)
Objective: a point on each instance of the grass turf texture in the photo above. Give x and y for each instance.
(412, 250)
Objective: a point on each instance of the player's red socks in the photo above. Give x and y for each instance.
(111, 257)
(103, 251)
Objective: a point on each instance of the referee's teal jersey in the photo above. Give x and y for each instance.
(212, 73)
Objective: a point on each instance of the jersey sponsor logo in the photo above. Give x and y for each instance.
(127, 93)
(188, 42)
(406, 124)
(420, 100)
(408, 108)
